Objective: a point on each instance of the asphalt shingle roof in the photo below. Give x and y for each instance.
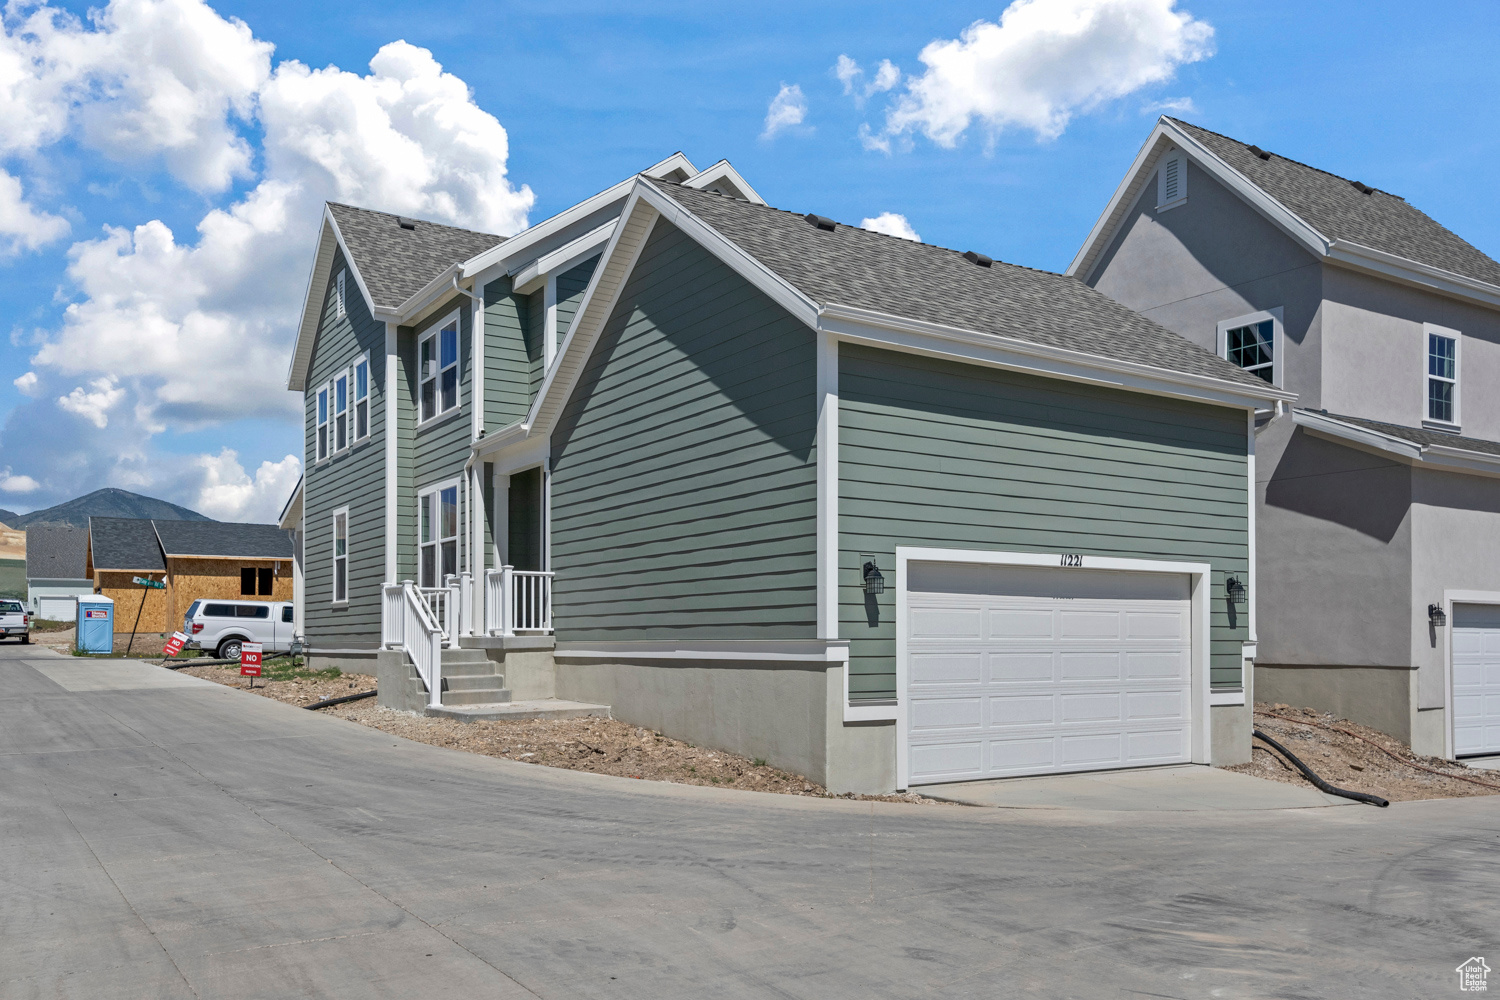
(56, 552)
(855, 267)
(1336, 208)
(395, 262)
(223, 538)
(1417, 435)
(127, 543)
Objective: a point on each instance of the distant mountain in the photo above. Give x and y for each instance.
(105, 503)
(8, 517)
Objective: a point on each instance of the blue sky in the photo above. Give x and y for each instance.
(170, 357)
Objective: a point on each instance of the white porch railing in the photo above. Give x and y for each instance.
(449, 605)
(406, 622)
(517, 601)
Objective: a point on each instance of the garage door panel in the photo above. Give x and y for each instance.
(946, 623)
(1023, 710)
(1476, 679)
(1091, 708)
(1021, 668)
(945, 713)
(1089, 625)
(946, 668)
(1081, 676)
(1100, 666)
(1011, 624)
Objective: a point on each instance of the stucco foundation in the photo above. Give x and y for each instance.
(1231, 725)
(1379, 697)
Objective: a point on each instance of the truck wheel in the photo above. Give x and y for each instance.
(229, 649)
(26, 638)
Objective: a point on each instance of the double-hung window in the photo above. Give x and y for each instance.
(437, 516)
(341, 412)
(437, 361)
(341, 555)
(1442, 374)
(362, 397)
(322, 423)
(1253, 343)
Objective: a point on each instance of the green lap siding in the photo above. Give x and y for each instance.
(507, 355)
(441, 446)
(354, 478)
(941, 454)
(684, 480)
(571, 285)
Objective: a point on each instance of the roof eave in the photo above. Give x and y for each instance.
(1407, 452)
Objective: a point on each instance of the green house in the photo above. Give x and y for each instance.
(882, 513)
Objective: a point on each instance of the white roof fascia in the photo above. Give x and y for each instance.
(1408, 452)
(879, 329)
(524, 277)
(1388, 265)
(291, 514)
(496, 441)
(429, 296)
(724, 173)
(307, 330)
(1166, 133)
(528, 238)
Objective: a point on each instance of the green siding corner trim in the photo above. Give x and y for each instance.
(948, 455)
(684, 481)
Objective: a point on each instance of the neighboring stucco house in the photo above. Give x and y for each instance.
(1378, 495)
(56, 575)
(416, 340)
(882, 513)
(195, 559)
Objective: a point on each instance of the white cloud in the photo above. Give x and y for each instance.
(26, 384)
(228, 493)
(852, 76)
(1043, 62)
(892, 224)
(12, 483)
(94, 404)
(788, 109)
(22, 227)
(1172, 106)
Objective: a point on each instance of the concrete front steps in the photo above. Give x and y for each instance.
(474, 682)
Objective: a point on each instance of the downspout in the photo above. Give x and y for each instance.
(476, 576)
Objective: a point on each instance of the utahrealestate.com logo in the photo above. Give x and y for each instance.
(1472, 976)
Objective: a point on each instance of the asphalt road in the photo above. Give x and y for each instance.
(161, 838)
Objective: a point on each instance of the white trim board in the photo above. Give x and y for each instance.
(788, 650)
(1199, 573)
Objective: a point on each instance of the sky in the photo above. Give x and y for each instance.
(163, 162)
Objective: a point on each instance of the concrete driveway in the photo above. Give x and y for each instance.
(165, 837)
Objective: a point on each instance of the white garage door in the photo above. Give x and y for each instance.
(1016, 671)
(63, 609)
(1476, 679)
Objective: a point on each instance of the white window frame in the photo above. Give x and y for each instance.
(356, 401)
(424, 496)
(434, 333)
(340, 308)
(1278, 339)
(336, 415)
(1166, 199)
(1430, 330)
(323, 429)
(335, 559)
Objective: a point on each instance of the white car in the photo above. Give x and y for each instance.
(223, 625)
(15, 621)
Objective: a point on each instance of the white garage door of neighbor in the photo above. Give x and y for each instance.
(1022, 670)
(1476, 679)
(63, 609)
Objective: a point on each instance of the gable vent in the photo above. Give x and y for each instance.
(823, 222)
(407, 223)
(978, 258)
(1362, 187)
(1171, 181)
(1263, 154)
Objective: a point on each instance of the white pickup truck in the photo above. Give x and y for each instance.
(15, 621)
(223, 625)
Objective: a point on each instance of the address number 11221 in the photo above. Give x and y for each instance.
(1072, 559)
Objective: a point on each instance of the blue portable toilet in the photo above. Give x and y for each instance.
(96, 624)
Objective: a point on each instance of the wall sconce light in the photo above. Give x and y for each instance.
(1236, 590)
(1437, 615)
(874, 582)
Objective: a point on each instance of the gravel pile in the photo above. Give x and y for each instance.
(1358, 764)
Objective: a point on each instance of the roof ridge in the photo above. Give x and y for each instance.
(862, 229)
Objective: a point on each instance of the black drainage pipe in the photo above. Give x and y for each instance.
(329, 702)
(1319, 783)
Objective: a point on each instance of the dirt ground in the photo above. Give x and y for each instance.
(1351, 763)
(604, 746)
